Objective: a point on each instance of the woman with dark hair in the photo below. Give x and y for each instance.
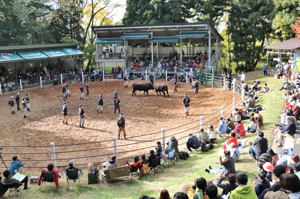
(291, 183)
(274, 156)
(200, 184)
(164, 194)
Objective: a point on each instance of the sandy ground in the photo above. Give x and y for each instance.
(144, 115)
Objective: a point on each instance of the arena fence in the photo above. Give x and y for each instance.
(100, 151)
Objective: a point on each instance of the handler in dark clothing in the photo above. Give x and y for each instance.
(17, 98)
(121, 125)
(151, 78)
(259, 146)
(186, 103)
(116, 102)
(193, 142)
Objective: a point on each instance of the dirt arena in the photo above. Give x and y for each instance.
(144, 114)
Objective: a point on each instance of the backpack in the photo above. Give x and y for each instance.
(183, 155)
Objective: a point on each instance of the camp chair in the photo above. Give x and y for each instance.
(48, 176)
(170, 158)
(73, 175)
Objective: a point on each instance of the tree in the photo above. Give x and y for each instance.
(286, 13)
(249, 26)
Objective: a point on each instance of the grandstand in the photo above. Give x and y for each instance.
(165, 48)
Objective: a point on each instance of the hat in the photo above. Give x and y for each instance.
(70, 162)
(276, 195)
(282, 161)
(279, 170)
(268, 167)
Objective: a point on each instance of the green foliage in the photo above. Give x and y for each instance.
(286, 14)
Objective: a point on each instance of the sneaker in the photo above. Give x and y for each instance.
(207, 170)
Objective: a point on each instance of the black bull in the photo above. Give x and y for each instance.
(162, 89)
(142, 87)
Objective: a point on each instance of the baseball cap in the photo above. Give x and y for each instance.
(268, 167)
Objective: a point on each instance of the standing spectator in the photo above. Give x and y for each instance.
(121, 125)
(17, 98)
(50, 169)
(87, 89)
(116, 102)
(11, 103)
(65, 113)
(196, 87)
(259, 146)
(186, 103)
(244, 190)
(265, 69)
(151, 78)
(81, 116)
(100, 104)
(115, 93)
(175, 82)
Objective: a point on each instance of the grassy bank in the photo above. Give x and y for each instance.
(184, 172)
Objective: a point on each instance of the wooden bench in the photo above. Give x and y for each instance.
(116, 174)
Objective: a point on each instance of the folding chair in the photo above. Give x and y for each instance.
(48, 176)
(73, 175)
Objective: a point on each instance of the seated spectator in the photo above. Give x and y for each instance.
(265, 88)
(261, 184)
(200, 184)
(164, 194)
(72, 172)
(211, 134)
(278, 171)
(237, 115)
(203, 136)
(293, 161)
(244, 190)
(268, 168)
(274, 157)
(297, 169)
(288, 130)
(49, 174)
(230, 125)
(259, 118)
(9, 182)
(93, 174)
(275, 195)
(135, 164)
(111, 163)
(232, 140)
(158, 148)
(192, 143)
(144, 165)
(259, 146)
(228, 187)
(222, 129)
(290, 183)
(239, 129)
(173, 144)
(212, 192)
(252, 126)
(228, 164)
(15, 166)
(180, 195)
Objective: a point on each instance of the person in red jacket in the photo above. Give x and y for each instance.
(233, 140)
(50, 169)
(240, 129)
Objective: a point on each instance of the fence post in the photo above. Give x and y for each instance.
(224, 83)
(243, 93)
(21, 86)
(114, 142)
(166, 75)
(201, 122)
(233, 100)
(222, 112)
(186, 77)
(146, 78)
(53, 153)
(61, 79)
(82, 76)
(163, 139)
(103, 75)
(41, 81)
(0, 89)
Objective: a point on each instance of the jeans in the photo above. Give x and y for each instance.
(253, 152)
